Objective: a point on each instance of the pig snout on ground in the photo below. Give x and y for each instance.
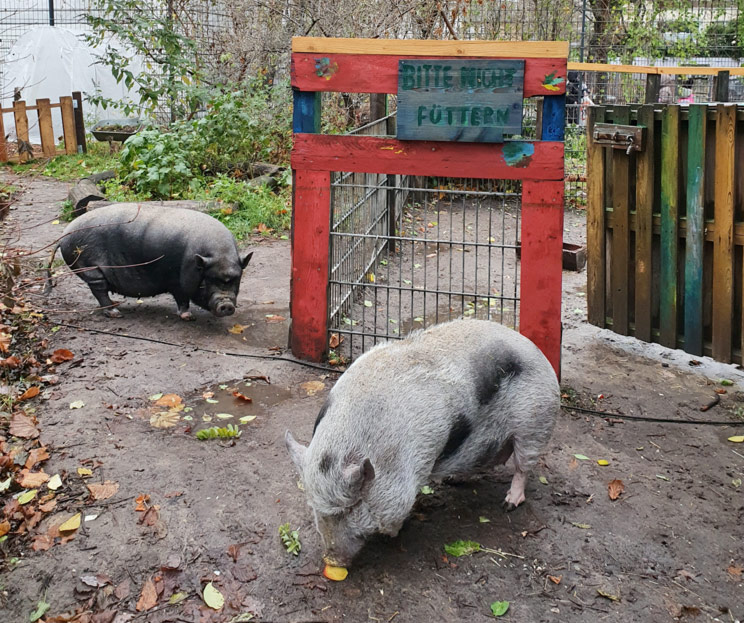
(445, 402)
(143, 251)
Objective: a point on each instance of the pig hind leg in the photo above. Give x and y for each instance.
(99, 286)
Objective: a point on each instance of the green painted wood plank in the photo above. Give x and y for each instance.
(669, 225)
(695, 229)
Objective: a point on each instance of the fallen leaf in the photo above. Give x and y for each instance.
(84, 472)
(583, 526)
(61, 354)
(150, 517)
(48, 507)
(607, 595)
(482, 519)
(683, 573)
(247, 418)
(55, 482)
(427, 490)
(334, 341)
(27, 496)
(10, 362)
(237, 329)
(77, 404)
(23, 426)
(41, 608)
(212, 597)
(615, 488)
(223, 416)
(737, 439)
(274, 318)
(734, 571)
(29, 393)
(581, 457)
(499, 608)
(555, 579)
(37, 455)
(73, 523)
(240, 396)
(312, 387)
(5, 528)
(104, 491)
(141, 502)
(212, 401)
(148, 597)
(726, 382)
(177, 598)
(543, 480)
(169, 400)
(603, 462)
(165, 419)
(31, 480)
(206, 395)
(462, 548)
(42, 542)
(337, 574)
(155, 397)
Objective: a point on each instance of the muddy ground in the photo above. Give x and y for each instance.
(670, 547)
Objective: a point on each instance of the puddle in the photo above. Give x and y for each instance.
(264, 327)
(212, 405)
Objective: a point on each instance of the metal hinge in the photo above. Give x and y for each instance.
(627, 137)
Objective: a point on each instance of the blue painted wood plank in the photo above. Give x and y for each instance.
(695, 229)
(554, 118)
(306, 112)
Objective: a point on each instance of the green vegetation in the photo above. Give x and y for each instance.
(72, 167)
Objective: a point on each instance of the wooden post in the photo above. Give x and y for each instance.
(377, 106)
(541, 266)
(644, 226)
(68, 124)
(696, 131)
(21, 124)
(3, 144)
(653, 86)
(311, 216)
(77, 101)
(670, 173)
(619, 280)
(46, 129)
(553, 118)
(721, 86)
(595, 222)
(723, 240)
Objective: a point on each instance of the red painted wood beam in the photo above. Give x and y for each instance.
(311, 218)
(541, 267)
(518, 160)
(378, 73)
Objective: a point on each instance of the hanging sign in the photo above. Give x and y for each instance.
(460, 100)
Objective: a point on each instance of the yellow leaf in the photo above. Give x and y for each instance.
(337, 574)
(212, 597)
(223, 416)
(737, 438)
(603, 463)
(237, 328)
(73, 523)
(55, 482)
(312, 387)
(164, 419)
(84, 472)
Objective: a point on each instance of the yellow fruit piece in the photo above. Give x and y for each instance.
(337, 574)
(737, 439)
(603, 463)
(84, 472)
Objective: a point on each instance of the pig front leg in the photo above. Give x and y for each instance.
(182, 302)
(100, 289)
(515, 496)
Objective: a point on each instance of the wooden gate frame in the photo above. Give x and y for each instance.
(371, 66)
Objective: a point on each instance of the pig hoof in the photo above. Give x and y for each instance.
(508, 506)
(186, 316)
(112, 313)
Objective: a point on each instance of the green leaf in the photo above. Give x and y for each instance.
(368, 303)
(462, 548)
(581, 457)
(482, 519)
(155, 396)
(499, 608)
(543, 480)
(177, 598)
(427, 490)
(27, 496)
(41, 609)
(212, 401)
(247, 418)
(290, 538)
(726, 382)
(5, 484)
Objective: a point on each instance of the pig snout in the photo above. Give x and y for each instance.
(340, 545)
(222, 306)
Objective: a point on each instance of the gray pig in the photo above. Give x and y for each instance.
(445, 402)
(144, 251)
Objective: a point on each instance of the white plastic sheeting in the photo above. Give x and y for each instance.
(49, 62)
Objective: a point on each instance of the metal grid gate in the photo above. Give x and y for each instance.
(450, 249)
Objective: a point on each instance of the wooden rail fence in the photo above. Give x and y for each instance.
(665, 227)
(70, 107)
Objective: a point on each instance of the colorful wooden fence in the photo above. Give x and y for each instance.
(371, 66)
(70, 108)
(665, 227)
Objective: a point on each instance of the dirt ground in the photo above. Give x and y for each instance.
(670, 547)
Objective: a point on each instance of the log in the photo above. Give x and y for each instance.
(82, 194)
(263, 180)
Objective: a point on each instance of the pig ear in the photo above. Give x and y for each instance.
(202, 262)
(358, 477)
(244, 261)
(296, 451)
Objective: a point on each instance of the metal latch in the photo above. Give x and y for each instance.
(627, 137)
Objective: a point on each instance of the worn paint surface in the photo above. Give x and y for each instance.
(518, 154)
(324, 68)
